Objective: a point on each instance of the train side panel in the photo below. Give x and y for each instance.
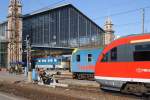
(83, 63)
(87, 60)
(123, 72)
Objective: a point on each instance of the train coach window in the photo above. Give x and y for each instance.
(78, 58)
(113, 54)
(141, 56)
(89, 57)
(142, 47)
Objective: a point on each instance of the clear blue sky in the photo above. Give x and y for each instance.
(124, 24)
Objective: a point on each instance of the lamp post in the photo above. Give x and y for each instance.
(10, 50)
(27, 56)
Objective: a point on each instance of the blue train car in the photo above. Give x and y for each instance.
(52, 62)
(83, 63)
(49, 62)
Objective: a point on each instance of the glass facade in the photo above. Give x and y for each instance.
(3, 54)
(61, 27)
(3, 45)
(3, 30)
(64, 26)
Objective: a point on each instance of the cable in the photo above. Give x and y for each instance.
(120, 13)
(47, 7)
(127, 24)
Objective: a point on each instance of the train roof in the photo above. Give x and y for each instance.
(138, 38)
(89, 49)
(132, 35)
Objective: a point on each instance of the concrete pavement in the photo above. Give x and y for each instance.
(4, 96)
(5, 76)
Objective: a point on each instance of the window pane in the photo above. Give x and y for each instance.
(78, 58)
(114, 54)
(105, 59)
(144, 47)
(142, 56)
(89, 57)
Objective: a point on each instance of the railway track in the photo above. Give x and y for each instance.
(78, 89)
(109, 92)
(95, 89)
(73, 91)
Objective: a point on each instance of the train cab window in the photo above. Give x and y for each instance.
(105, 58)
(89, 57)
(113, 54)
(78, 58)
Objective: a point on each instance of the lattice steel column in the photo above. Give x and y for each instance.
(14, 36)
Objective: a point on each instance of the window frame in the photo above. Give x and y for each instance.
(89, 57)
(78, 58)
(113, 54)
(139, 49)
(105, 57)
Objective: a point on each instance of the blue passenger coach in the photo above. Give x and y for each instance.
(60, 62)
(83, 63)
(48, 62)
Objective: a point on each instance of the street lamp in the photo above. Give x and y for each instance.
(27, 50)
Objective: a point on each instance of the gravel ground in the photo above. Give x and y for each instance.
(77, 90)
(6, 96)
(35, 92)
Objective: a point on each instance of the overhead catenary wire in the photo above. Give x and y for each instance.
(48, 7)
(126, 24)
(100, 17)
(121, 13)
(127, 12)
(96, 18)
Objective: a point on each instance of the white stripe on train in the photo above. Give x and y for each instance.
(123, 79)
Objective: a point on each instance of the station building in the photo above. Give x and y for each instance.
(3, 44)
(58, 28)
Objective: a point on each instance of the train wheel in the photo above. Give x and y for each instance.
(91, 77)
(74, 76)
(132, 88)
(79, 76)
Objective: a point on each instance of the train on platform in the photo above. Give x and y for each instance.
(83, 63)
(124, 65)
(61, 63)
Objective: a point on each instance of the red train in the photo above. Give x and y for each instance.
(124, 65)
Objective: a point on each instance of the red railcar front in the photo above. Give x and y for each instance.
(125, 61)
